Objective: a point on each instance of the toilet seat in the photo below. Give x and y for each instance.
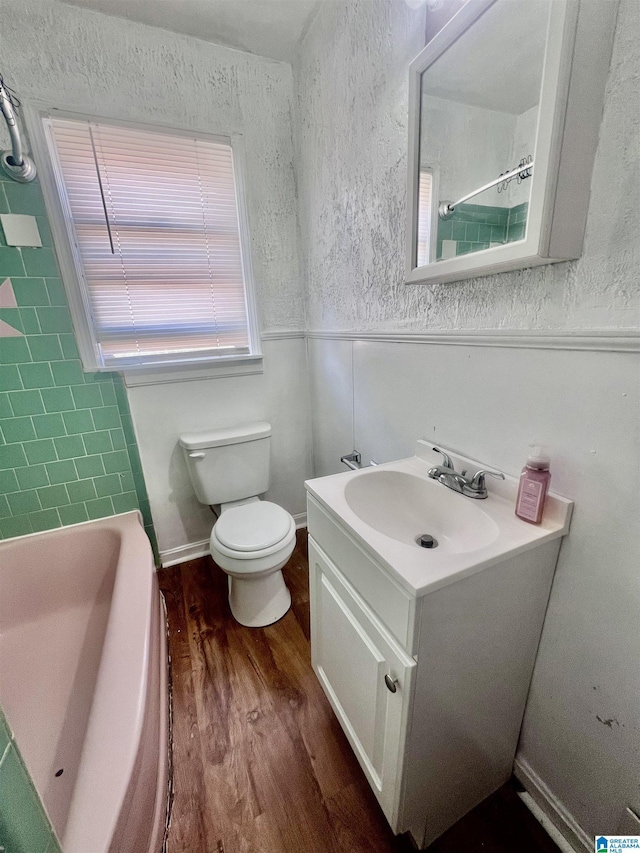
(253, 527)
(260, 560)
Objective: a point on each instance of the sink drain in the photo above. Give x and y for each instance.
(426, 540)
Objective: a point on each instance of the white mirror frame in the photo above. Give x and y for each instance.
(576, 65)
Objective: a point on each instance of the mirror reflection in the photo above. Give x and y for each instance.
(478, 121)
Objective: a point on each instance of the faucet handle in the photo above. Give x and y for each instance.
(446, 462)
(477, 482)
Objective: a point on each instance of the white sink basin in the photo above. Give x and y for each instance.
(387, 508)
(404, 506)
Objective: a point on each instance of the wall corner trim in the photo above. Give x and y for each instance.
(555, 810)
(601, 340)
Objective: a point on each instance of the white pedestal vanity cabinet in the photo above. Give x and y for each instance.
(426, 655)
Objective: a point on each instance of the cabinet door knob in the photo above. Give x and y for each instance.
(392, 683)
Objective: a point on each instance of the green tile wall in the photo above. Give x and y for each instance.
(476, 226)
(68, 452)
(24, 826)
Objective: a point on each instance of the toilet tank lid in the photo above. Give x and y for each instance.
(227, 435)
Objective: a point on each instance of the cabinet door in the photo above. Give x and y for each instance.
(351, 653)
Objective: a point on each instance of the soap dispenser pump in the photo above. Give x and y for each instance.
(534, 485)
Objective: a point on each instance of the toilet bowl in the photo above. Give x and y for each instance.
(252, 539)
(251, 542)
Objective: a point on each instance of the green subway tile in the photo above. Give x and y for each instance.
(5, 512)
(49, 426)
(45, 348)
(12, 317)
(54, 845)
(117, 439)
(498, 234)
(32, 477)
(127, 482)
(55, 289)
(67, 373)
(463, 248)
(108, 394)
(57, 399)
(86, 396)
(127, 426)
(116, 461)
(30, 323)
(89, 466)
(24, 502)
(69, 346)
(69, 447)
(83, 490)
(12, 456)
(11, 262)
(40, 262)
(36, 375)
(39, 451)
(55, 320)
(125, 502)
(99, 508)
(62, 472)
(15, 526)
(73, 514)
(18, 429)
(79, 421)
(121, 394)
(444, 230)
(458, 231)
(4, 205)
(484, 233)
(14, 351)
(9, 377)
(5, 734)
(99, 442)
(472, 232)
(101, 376)
(24, 827)
(30, 291)
(5, 405)
(45, 520)
(107, 485)
(8, 481)
(107, 417)
(53, 496)
(26, 402)
(25, 198)
(45, 231)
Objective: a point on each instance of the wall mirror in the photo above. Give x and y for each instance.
(505, 104)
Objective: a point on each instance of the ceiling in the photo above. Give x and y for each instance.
(270, 28)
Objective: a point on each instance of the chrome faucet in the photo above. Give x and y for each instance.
(470, 487)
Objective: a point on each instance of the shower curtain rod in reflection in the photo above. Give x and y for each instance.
(446, 209)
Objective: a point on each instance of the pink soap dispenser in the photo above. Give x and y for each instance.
(534, 485)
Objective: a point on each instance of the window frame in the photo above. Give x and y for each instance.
(72, 272)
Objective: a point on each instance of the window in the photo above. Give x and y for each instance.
(154, 230)
(425, 217)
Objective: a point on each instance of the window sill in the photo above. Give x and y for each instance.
(166, 374)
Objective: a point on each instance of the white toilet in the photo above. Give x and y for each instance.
(252, 539)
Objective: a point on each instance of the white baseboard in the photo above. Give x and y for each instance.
(551, 806)
(192, 550)
(300, 520)
(183, 553)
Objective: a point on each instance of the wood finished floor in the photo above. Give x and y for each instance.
(261, 764)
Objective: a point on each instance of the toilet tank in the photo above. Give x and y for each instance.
(228, 464)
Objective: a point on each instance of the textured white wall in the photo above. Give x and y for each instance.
(581, 732)
(352, 86)
(77, 59)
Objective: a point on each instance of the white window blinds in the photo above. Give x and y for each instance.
(154, 220)
(425, 218)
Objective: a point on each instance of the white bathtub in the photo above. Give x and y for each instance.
(83, 680)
